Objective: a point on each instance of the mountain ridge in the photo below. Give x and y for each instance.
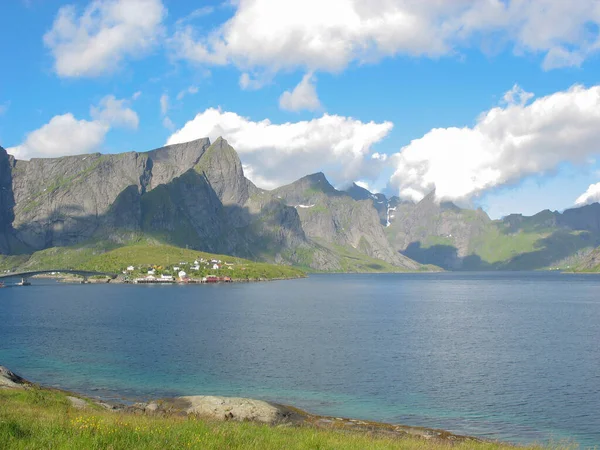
(191, 195)
(196, 195)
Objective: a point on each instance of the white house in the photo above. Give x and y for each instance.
(151, 272)
(182, 274)
(176, 268)
(216, 267)
(166, 277)
(130, 268)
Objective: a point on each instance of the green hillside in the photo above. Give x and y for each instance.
(108, 257)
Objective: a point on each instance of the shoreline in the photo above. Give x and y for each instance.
(217, 408)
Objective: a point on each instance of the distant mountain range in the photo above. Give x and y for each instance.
(195, 195)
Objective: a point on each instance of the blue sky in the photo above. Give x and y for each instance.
(402, 96)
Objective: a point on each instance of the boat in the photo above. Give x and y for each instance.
(23, 283)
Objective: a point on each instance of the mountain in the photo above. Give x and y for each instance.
(463, 239)
(192, 195)
(195, 195)
(380, 201)
(336, 219)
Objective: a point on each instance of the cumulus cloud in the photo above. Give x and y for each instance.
(275, 154)
(590, 196)
(303, 97)
(107, 31)
(329, 35)
(507, 143)
(115, 112)
(65, 135)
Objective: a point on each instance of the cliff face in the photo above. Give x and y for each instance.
(435, 233)
(7, 202)
(335, 217)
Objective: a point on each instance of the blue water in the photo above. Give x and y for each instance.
(510, 356)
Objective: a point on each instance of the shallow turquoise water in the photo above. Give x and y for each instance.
(512, 356)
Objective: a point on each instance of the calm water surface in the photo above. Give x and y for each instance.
(512, 356)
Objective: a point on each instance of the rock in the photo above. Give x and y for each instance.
(151, 407)
(9, 379)
(238, 409)
(77, 402)
(341, 219)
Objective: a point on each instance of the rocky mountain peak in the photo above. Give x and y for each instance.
(358, 193)
(222, 168)
(318, 182)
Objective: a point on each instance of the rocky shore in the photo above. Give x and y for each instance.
(242, 410)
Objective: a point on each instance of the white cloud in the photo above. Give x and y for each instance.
(108, 31)
(304, 96)
(590, 196)
(363, 184)
(255, 81)
(63, 135)
(517, 96)
(136, 95)
(379, 156)
(168, 124)
(192, 90)
(329, 35)
(164, 104)
(275, 154)
(506, 144)
(196, 14)
(115, 112)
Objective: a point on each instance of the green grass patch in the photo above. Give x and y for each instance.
(112, 258)
(44, 419)
(494, 245)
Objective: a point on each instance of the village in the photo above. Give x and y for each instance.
(183, 272)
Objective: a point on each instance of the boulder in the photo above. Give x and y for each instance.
(234, 408)
(10, 380)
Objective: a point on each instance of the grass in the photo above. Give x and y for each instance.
(110, 258)
(39, 418)
(495, 246)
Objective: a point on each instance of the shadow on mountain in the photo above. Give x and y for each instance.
(559, 246)
(446, 257)
(7, 203)
(185, 212)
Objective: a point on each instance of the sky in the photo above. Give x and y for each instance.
(492, 103)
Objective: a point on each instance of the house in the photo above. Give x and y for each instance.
(196, 267)
(150, 278)
(216, 266)
(130, 268)
(182, 274)
(176, 268)
(151, 272)
(167, 277)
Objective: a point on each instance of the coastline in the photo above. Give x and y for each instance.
(236, 409)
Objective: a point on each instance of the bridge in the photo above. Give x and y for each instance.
(25, 275)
